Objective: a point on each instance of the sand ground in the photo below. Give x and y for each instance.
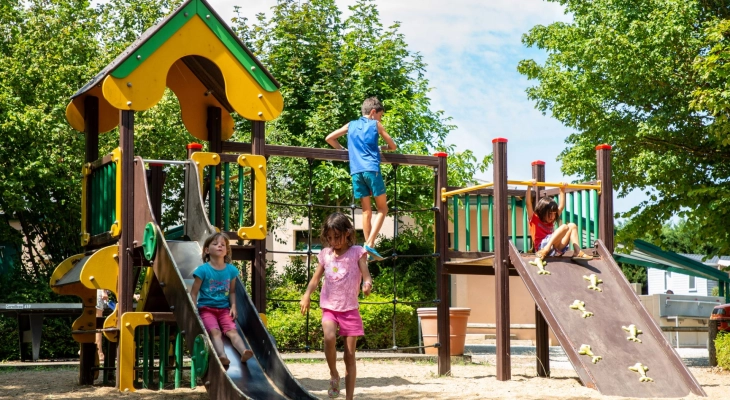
(377, 379)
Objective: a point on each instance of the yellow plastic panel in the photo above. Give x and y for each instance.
(130, 321)
(87, 320)
(102, 270)
(203, 159)
(258, 168)
(116, 228)
(108, 115)
(194, 102)
(144, 87)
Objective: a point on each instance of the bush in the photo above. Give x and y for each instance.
(722, 348)
(289, 326)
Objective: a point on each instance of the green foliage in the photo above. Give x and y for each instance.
(715, 291)
(414, 278)
(649, 78)
(722, 348)
(683, 237)
(327, 67)
(289, 326)
(383, 321)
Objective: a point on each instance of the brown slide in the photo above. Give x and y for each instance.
(596, 317)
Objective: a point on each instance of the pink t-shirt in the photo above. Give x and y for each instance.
(342, 278)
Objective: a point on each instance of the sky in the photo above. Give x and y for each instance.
(472, 48)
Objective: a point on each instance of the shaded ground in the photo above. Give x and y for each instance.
(377, 379)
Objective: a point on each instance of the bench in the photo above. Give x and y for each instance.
(30, 320)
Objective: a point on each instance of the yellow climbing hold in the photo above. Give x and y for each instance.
(634, 332)
(593, 279)
(585, 350)
(581, 306)
(641, 369)
(540, 264)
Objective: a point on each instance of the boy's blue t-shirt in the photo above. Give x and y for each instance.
(216, 285)
(362, 145)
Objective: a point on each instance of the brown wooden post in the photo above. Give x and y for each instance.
(215, 146)
(91, 134)
(442, 280)
(258, 272)
(713, 329)
(605, 210)
(156, 182)
(126, 239)
(542, 333)
(501, 259)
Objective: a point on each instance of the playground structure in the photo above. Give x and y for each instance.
(196, 55)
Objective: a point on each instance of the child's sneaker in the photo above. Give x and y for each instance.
(582, 257)
(373, 253)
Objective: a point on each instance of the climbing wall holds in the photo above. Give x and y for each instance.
(581, 306)
(593, 279)
(634, 332)
(641, 369)
(540, 264)
(585, 350)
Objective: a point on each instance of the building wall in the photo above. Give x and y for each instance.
(660, 281)
(284, 238)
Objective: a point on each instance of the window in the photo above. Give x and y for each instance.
(692, 284)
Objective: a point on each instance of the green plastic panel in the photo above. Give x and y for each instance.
(149, 242)
(200, 355)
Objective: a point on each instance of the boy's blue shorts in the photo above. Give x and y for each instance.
(368, 183)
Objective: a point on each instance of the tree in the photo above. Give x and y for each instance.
(637, 75)
(327, 67)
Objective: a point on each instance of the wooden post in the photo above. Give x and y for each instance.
(605, 209)
(542, 333)
(501, 259)
(126, 239)
(91, 134)
(215, 146)
(156, 182)
(258, 272)
(713, 329)
(442, 280)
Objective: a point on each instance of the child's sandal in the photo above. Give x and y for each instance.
(582, 257)
(334, 390)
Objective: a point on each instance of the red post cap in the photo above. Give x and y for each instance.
(195, 146)
(538, 162)
(499, 140)
(603, 147)
(440, 154)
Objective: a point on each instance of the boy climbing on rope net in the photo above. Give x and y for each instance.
(364, 155)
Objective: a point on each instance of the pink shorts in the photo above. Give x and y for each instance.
(217, 318)
(349, 322)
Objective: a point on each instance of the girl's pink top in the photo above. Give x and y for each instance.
(342, 278)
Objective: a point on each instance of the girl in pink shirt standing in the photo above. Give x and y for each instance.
(344, 266)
